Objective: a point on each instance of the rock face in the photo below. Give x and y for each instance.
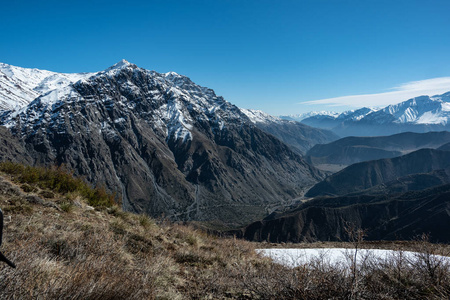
(401, 217)
(350, 150)
(12, 149)
(361, 176)
(166, 145)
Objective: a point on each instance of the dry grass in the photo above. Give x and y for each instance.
(66, 249)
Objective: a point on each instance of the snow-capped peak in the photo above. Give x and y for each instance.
(421, 110)
(120, 65)
(171, 74)
(300, 117)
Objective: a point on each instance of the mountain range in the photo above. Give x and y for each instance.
(350, 150)
(173, 149)
(365, 175)
(167, 146)
(419, 114)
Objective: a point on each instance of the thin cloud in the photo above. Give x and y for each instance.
(434, 86)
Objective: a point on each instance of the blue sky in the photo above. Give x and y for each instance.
(276, 56)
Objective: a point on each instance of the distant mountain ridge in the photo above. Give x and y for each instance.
(300, 136)
(365, 175)
(350, 150)
(419, 114)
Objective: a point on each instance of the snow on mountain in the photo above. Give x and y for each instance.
(19, 86)
(178, 105)
(419, 114)
(175, 97)
(355, 115)
(301, 117)
(257, 116)
(421, 110)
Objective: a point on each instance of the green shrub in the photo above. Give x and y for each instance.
(60, 180)
(66, 206)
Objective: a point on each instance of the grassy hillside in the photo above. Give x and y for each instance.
(70, 241)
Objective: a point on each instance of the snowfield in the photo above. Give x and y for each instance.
(342, 256)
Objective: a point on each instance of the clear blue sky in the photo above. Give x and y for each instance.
(267, 55)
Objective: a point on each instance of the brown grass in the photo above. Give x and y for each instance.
(65, 249)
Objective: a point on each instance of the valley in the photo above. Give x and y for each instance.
(177, 150)
(170, 148)
(188, 181)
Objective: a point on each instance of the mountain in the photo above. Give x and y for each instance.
(445, 147)
(301, 117)
(20, 86)
(420, 114)
(300, 136)
(167, 146)
(361, 176)
(350, 150)
(383, 217)
(330, 120)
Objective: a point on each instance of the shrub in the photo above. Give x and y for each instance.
(60, 180)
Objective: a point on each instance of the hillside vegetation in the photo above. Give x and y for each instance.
(70, 241)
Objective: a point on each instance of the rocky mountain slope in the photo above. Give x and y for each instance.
(299, 136)
(167, 146)
(420, 114)
(361, 176)
(12, 149)
(384, 217)
(350, 150)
